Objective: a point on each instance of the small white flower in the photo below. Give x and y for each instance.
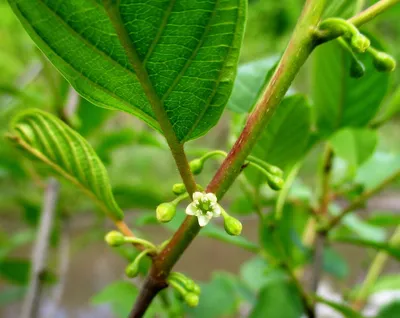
(204, 206)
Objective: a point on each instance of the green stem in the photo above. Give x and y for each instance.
(300, 47)
(374, 272)
(283, 194)
(359, 19)
(371, 12)
(360, 201)
(139, 241)
(156, 103)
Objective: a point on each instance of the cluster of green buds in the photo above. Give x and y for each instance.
(354, 42)
(115, 239)
(273, 174)
(186, 287)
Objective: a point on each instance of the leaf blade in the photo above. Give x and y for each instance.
(51, 141)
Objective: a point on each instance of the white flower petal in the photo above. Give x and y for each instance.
(203, 220)
(211, 197)
(197, 196)
(216, 210)
(191, 209)
(209, 215)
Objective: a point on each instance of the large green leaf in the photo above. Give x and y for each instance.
(277, 300)
(248, 84)
(355, 145)
(181, 55)
(340, 100)
(49, 140)
(218, 298)
(285, 138)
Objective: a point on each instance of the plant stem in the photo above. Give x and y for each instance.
(371, 12)
(300, 47)
(359, 19)
(374, 272)
(324, 201)
(360, 201)
(31, 305)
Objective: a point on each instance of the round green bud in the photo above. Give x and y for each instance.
(132, 270)
(115, 238)
(232, 226)
(360, 43)
(357, 69)
(275, 182)
(196, 289)
(384, 62)
(196, 166)
(165, 212)
(178, 188)
(192, 299)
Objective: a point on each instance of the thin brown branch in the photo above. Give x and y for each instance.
(32, 300)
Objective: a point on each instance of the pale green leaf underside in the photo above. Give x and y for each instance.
(188, 48)
(342, 101)
(49, 140)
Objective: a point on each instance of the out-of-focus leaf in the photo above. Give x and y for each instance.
(383, 218)
(15, 270)
(48, 139)
(183, 55)
(119, 295)
(340, 8)
(11, 294)
(379, 167)
(91, 117)
(339, 99)
(393, 107)
(391, 310)
(346, 310)
(335, 264)
(385, 283)
(14, 241)
(137, 196)
(218, 298)
(354, 145)
(256, 274)
(381, 246)
(277, 300)
(249, 82)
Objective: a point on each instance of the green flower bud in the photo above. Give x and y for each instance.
(384, 62)
(360, 43)
(275, 182)
(178, 188)
(132, 270)
(196, 289)
(192, 299)
(115, 238)
(232, 226)
(196, 166)
(357, 69)
(165, 212)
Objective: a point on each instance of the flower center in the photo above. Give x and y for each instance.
(204, 206)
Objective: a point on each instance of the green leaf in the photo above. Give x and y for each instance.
(249, 82)
(11, 295)
(354, 145)
(339, 99)
(277, 300)
(335, 264)
(15, 270)
(218, 298)
(181, 55)
(384, 283)
(391, 250)
(347, 311)
(120, 295)
(48, 139)
(340, 8)
(379, 167)
(382, 218)
(390, 311)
